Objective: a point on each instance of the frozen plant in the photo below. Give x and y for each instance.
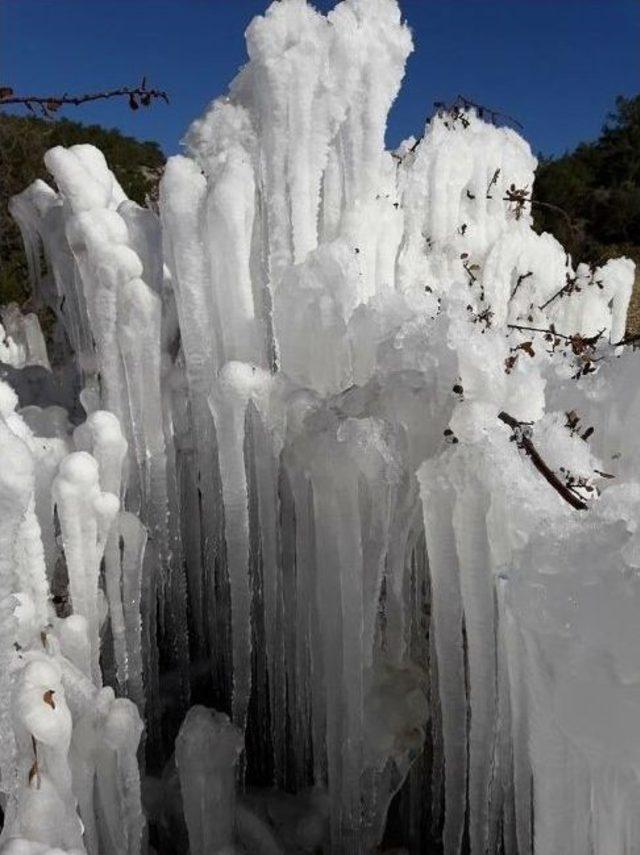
(357, 468)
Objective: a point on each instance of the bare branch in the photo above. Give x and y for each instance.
(557, 209)
(494, 116)
(578, 342)
(524, 442)
(137, 95)
(459, 106)
(567, 288)
(522, 196)
(630, 339)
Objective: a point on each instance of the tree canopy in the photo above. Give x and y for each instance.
(598, 186)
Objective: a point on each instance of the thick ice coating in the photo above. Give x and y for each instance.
(50, 675)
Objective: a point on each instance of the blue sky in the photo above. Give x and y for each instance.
(556, 65)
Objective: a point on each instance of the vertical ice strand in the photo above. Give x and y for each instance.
(86, 515)
(101, 436)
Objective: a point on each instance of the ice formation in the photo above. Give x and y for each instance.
(349, 457)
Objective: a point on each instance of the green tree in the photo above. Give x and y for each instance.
(598, 185)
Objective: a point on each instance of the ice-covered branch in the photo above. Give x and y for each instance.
(523, 440)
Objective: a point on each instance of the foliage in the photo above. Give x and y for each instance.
(598, 185)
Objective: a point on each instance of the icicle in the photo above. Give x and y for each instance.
(118, 778)
(133, 536)
(238, 383)
(446, 624)
(85, 516)
(101, 435)
(266, 486)
(182, 199)
(207, 750)
(476, 585)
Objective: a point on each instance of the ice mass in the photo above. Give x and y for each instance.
(324, 535)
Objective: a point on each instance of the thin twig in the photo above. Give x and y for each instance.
(494, 180)
(557, 209)
(631, 339)
(521, 279)
(539, 329)
(566, 288)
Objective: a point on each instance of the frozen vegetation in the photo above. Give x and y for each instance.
(344, 504)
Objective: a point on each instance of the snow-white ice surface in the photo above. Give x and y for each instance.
(359, 466)
(69, 766)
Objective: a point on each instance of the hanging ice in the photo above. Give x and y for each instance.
(207, 751)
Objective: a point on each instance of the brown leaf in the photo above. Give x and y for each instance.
(572, 419)
(48, 698)
(509, 362)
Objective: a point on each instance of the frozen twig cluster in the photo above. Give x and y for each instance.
(324, 473)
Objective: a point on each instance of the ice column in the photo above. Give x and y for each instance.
(207, 751)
